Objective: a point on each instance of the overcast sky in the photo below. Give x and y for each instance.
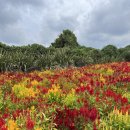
(96, 23)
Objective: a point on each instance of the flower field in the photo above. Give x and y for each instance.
(95, 97)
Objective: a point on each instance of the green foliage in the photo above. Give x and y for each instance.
(67, 38)
(110, 50)
(126, 55)
(71, 100)
(64, 52)
(109, 53)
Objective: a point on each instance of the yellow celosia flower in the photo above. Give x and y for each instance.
(21, 91)
(117, 116)
(54, 89)
(70, 99)
(34, 83)
(38, 129)
(32, 108)
(48, 72)
(12, 125)
(54, 94)
(77, 74)
(31, 92)
(102, 79)
(110, 71)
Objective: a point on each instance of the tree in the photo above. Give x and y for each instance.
(109, 53)
(67, 38)
(127, 47)
(126, 55)
(95, 55)
(37, 48)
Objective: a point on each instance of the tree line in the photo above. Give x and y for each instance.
(64, 52)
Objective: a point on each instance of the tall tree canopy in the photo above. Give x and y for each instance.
(109, 50)
(66, 39)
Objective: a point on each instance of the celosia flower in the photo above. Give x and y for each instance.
(6, 115)
(30, 124)
(12, 125)
(38, 129)
(93, 114)
(2, 122)
(34, 83)
(21, 91)
(84, 112)
(3, 128)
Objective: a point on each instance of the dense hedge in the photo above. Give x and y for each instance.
(21, 58)
(64, 52)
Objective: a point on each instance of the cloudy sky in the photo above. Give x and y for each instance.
(96, 23)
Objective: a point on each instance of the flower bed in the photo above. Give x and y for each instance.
(95, 97)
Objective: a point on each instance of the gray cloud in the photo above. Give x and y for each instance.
(94, 23)
(18, 3)
(109, 23)
(112, 19)
(8, 15)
